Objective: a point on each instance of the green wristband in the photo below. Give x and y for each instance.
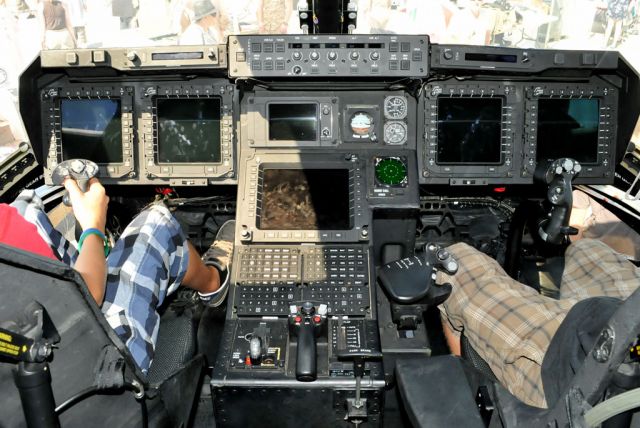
(93, 231)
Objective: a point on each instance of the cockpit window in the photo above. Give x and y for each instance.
(27, 26)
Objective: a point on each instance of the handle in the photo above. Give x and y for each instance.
(306, 370)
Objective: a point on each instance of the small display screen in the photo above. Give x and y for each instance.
(188, 130)
(568, 128)
(469, 130)
(305, 199)
(91, 129)
(297, 122)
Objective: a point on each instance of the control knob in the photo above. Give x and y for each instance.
(354, 55)
(297, 56)
(374, 56)
(297, 70)
(132, 56)
(332, 56)
(314, 56)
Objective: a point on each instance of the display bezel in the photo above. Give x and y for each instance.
(252, 188)
(156, 150)
(52, 98)
(600, 172)
(255, 119)
(189, 173)
(503, 172)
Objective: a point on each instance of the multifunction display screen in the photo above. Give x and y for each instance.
(305, 199)
(188, 130)
(296, 122)
(568, 128)
(469, 130)
(91, 129)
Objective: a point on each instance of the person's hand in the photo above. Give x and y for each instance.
(90, 208)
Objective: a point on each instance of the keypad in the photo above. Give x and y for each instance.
(269, 279)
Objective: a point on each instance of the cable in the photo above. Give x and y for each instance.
(612, 407)
(85, 393)
(88, 392)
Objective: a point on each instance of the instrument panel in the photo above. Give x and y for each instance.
(487, 122)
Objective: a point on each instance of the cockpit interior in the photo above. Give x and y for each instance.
(349, 163)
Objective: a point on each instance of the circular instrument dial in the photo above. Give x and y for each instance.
(395, 133)
(391, 172)
(395, 107)
(361, 124)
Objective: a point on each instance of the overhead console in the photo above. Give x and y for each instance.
(466, 57)
(355, 56)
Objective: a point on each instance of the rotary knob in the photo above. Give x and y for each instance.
(374, 56)
(354, 55)
(132, 56)
(332, 56)
(314, 56)
(297, 56)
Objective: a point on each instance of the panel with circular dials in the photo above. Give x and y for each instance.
(395, 107)
(395, 133)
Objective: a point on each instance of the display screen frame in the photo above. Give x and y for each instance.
(594, 159)
(498, 132)
(346, 223)
(157, 132)
(124, 152)
(318, 125)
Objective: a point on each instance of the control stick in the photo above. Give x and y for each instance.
(558, 176)
(81, 170)
(307, 322)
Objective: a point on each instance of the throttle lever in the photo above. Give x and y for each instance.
(410, 280)
(80, 170)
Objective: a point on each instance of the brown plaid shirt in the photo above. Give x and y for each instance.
(510, 324)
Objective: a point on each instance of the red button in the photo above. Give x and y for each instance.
(247, 360)
(317, 319)
(298, 319)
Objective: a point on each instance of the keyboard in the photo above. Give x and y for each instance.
(271, 278)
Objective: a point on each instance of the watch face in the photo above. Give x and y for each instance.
(395, 133)
(395, 107)
(361, 125)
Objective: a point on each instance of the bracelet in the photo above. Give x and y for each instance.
(93, 231)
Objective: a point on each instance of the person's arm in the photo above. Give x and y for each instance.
(67, 23)
(90, 209)
(41, 24)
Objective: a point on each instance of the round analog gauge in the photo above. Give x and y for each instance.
(391, 172)
(395, 133)
(361, 125)
(395, 107)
